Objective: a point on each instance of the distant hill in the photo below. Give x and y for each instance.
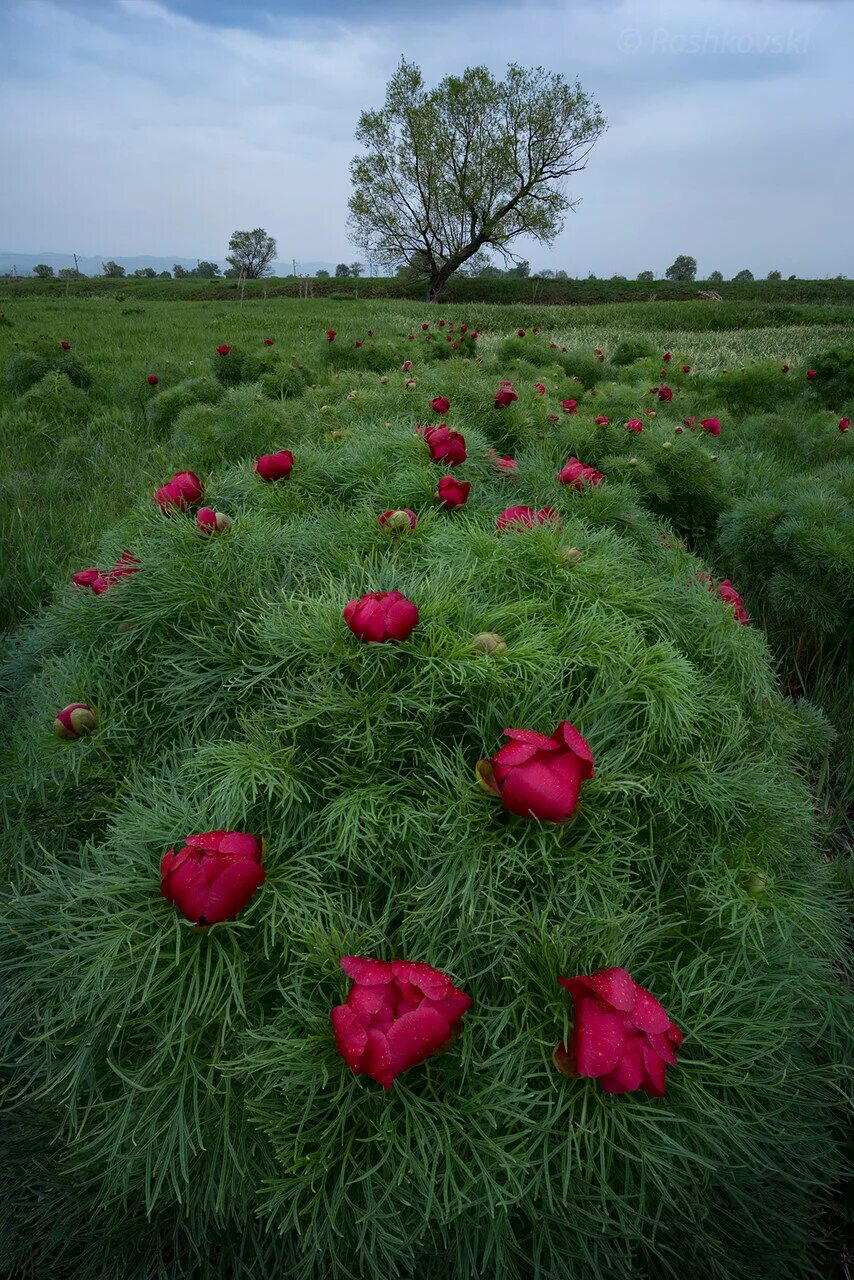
(23, 263)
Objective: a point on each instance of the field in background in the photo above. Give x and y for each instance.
(784, 294)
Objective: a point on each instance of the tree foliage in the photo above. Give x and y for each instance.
(473, 163)
(251, 253)
(42, 271)
(744, 274)
(112, 269)
(684, 267)
(647, 276)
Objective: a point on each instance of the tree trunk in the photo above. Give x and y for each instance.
(436, 287)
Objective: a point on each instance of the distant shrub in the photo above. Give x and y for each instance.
(26, 368)
(759, 388)
(165, 407)
(242, 423)
(287, 380)
(834, 381)
(631, 349)
(56, 398)
(241, 366)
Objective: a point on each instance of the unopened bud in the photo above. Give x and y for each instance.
(75, 721)
(571, 555)
(209, 522)
(488, 642)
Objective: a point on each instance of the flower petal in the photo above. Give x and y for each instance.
(628, 1074)
(414, 1036)
(367, 971)
(351, 1037)
(648, 1015)
(598, 1038)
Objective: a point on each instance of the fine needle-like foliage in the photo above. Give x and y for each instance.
(174, 1105)
(473, 163)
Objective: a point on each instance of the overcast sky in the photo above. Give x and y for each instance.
(140, 126)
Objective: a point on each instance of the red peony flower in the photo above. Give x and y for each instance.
(712, 425)
(536, 776)
(406, 366)
(398, 1013)
(621, 1035)
(330, 335)
(274, 466)
(602, 421)
(729, 595)
(520, 333)
(464, 328)
(441, 324)
(578, 475)
(686, 368)
(223, 349)
(844, 424)
(411, 337)
(445, 445)
(182, 491)
(424, 324)
(569, 406)
(381, 616)
(502, 464)
(66, 346)
(690, 422)
(539, 388)
(152, 379)
(453, 493)
(664, 393)
(358, 344)
(399, 520)
(504, 397)
(440, 405)
(268, 342)
(370, 333)
(786, 368)
(552, 346)
(810, 374)
(535, 329)
(213, 875)
(75, 721)
(100, 580)
(209, 521)
(668, 356)
(526, 518)
(635, 425)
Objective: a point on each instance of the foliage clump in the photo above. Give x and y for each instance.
(26, 368)
(177, 1105)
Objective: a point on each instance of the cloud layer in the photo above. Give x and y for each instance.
(135, 127)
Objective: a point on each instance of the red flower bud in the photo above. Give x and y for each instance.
(664, 393)
(274, 466)
(520, 333)
(569, 406)
(441, 324)
(401, 520)
(452, 492)
(268, 342)
(213, 875)
(440, 405)
(540, 777)
(668, 356)
(424, 324)
(398, 1013)
(381, 616)
(358, 344)
(711, 425)
(505, 396)
(152, 379)
(540, 389)
(621, 1035)
(635, 425)
(223, 349)
(844, 424)
(182, 491)
(75, 721)
(602, 421)
(100, 580)
(577, 474)
(330, 335)
(686, 368)
(811, 373)
(406, 366)
(66, 346)
(526, 518)
(209, 521)
(445, 445)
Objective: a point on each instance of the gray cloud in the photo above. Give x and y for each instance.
(132, 127)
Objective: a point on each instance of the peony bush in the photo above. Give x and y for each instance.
(436, 768)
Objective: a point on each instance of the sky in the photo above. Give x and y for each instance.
(159, 126)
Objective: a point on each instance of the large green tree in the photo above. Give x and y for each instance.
(251, 253)
(684, 267)
(471, 163)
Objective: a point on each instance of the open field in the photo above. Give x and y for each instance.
(183, 1076)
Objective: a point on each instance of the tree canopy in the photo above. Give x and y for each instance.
(473, 162)
(684, 267)
(252, 252)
